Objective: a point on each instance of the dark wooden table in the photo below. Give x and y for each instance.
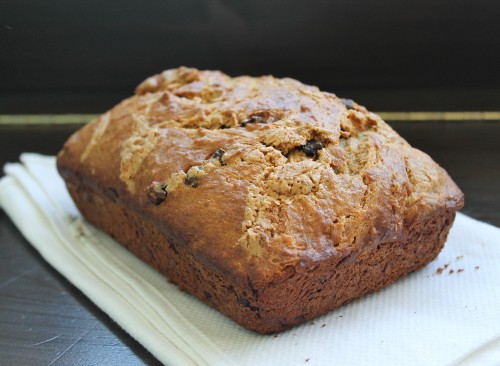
(44, 320)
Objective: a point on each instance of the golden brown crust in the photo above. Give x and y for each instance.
(254, 176)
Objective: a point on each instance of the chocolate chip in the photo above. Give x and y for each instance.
(192, 181)
(349, 104)
(192, 176)
(112, 194)
(157, 192)
(253, 119)
(243, 301)
(218, 155)
(312, 147)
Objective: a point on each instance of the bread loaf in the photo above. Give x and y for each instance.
(268, 199)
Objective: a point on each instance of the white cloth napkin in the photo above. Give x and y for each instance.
(446, 314)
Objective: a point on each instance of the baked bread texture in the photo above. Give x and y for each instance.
(268, 199)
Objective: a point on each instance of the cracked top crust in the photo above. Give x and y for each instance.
(255, 175)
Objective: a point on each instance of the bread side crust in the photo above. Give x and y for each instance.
(281, 302)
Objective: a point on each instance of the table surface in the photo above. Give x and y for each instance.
(44, 320)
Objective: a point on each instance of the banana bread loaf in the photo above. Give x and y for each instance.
(268, 199)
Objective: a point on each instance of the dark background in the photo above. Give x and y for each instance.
(84, 56)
